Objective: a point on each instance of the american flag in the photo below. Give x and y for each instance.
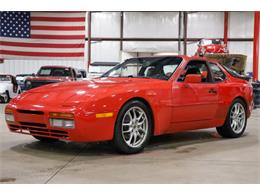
(42, 35)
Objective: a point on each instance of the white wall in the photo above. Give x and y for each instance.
(105, 51)
(241, 25)
(150, 25)
(205, 25)
(105, 24)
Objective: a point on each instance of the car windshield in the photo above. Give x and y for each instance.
(148, 67)
(56, 72)
(5, 78)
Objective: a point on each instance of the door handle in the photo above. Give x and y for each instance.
(213, 91)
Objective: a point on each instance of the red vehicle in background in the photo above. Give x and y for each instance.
(52, 74)
(211, 46)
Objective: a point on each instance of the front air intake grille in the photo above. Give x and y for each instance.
(33, 124)
(41, 83)
(30, 112)
(36, 129)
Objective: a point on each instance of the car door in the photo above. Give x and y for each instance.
(194, 101)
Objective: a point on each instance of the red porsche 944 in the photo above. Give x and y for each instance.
(137, 99)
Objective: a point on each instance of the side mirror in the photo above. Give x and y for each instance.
(193, 78)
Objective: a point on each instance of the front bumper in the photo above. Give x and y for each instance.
(36, 123)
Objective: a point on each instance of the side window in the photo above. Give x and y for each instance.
(217, 74)
(197, 67)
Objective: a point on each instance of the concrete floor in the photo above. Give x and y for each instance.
(190, 157)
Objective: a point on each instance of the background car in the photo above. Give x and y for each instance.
(8, 88)
(135, 100)
(83, 72)
(20, 79)
(52, 74)
(211, 46)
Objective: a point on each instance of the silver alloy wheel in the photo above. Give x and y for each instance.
(134, 127)
(237, 117)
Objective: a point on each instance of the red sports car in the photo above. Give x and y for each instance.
(211, 46)
(135, 100)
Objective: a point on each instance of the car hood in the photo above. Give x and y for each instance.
(73, 93)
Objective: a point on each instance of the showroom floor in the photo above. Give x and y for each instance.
(191, 157)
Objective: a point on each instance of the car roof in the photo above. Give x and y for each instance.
(185, 57)
(55, 66)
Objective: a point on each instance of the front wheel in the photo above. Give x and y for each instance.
(133, 127)
(236, 120)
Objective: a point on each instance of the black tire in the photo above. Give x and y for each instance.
(7, 99)
(119, 141)
(45, 139)
(226, 130)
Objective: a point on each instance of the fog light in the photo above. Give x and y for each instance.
(62, 123)
(68, 123)
(9, 117)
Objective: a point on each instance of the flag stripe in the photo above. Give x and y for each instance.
(58, 37)
(42, 23)
(39, 57)
(41, 45)
(42, 49)
(52, 32)
(60, 28)
(40, 41)
(46, 54)
(58, 14)
(58, 19)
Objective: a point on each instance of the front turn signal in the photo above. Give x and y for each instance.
(104, 115)
(61, 115)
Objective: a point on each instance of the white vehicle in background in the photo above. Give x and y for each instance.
(8, 87)
(21, 78)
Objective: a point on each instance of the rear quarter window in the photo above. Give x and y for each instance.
(217, 74)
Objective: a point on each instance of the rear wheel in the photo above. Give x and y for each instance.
(45, 139)
(133, 127)
(236, 120)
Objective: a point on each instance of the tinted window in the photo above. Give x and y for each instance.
(232, 72)
(197, 67)
(217, 74)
